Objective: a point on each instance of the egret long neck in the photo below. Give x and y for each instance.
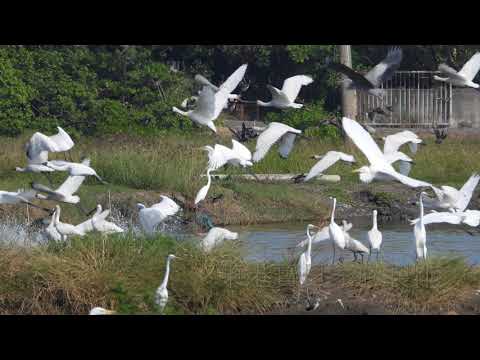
(375, 220)
(332, 218)
(421, 210)
(184, 113)
(167, 272)
(209, 178)
(309, 247)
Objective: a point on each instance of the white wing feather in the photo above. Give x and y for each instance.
(466, 192)
(471, 67)
(364, 141)
(292, 86)
(286, 144)
(269, 137)
(327, 161)
(241, 150)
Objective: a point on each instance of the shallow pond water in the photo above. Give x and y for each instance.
(277, 243)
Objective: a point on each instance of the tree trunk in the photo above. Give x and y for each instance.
(349, 97)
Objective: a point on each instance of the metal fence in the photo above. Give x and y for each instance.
(416, 100)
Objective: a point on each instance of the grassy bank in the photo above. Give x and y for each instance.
(122, 273)
(141, 168)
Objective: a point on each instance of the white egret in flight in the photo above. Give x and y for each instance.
(74, 169)
(285, 98)
(464, 77)
(20, 197)
(451, 199)
(372, 81)
(216, 236)
(375, 236)
(38, 147)
(392, 145)
(154, 215)
(468, 217)
(380, 168)
(210, 103)
(161, 295)
(220, 155)
(328, 160)
(273, 133)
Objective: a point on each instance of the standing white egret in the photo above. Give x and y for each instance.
(285, 98)
(464, 77)
(451, 199)
(51, 230)
(420, 234)
(375, 77)
(101, 311)
(379, 168)
(273, 133)
(154, 215)
(216, 236)
(320, 236)
(375, 236)
(336, 233)
(202, 193)
(328, 160)
(305, 260)
(210, 103)
(161, 295)
(355, 246)
(65, 229)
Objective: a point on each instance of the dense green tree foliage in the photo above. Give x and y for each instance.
(120, 88)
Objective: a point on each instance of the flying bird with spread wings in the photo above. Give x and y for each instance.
(464, 77)
(372, 80)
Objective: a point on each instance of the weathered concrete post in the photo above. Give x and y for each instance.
(349, 97)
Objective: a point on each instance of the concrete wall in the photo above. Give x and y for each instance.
(465, 108)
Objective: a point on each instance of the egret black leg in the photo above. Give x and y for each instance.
(369, 254)
(333, 261)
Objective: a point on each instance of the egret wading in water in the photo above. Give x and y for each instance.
(101, 311)
(161, 295)
(464, 77)
(374, 237)
(215, 237)
(336, 233)
(65, 229)
(420, 234)
(285, 98)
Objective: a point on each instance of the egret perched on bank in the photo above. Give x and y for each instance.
(210, 103)
(326, 161)
(305, 260)
(375, 236)
(273, 133)
(161, 295)
(337, 236)
(202, 193)
(154, 215)
(464, 77)
(216, 236)
(420, 234)
(379, 168)
(285, 98)
(451, 199)
(65, 229)
(372, 81)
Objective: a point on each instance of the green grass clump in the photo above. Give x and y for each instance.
(122, 273)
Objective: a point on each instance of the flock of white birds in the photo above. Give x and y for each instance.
(209, 104)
